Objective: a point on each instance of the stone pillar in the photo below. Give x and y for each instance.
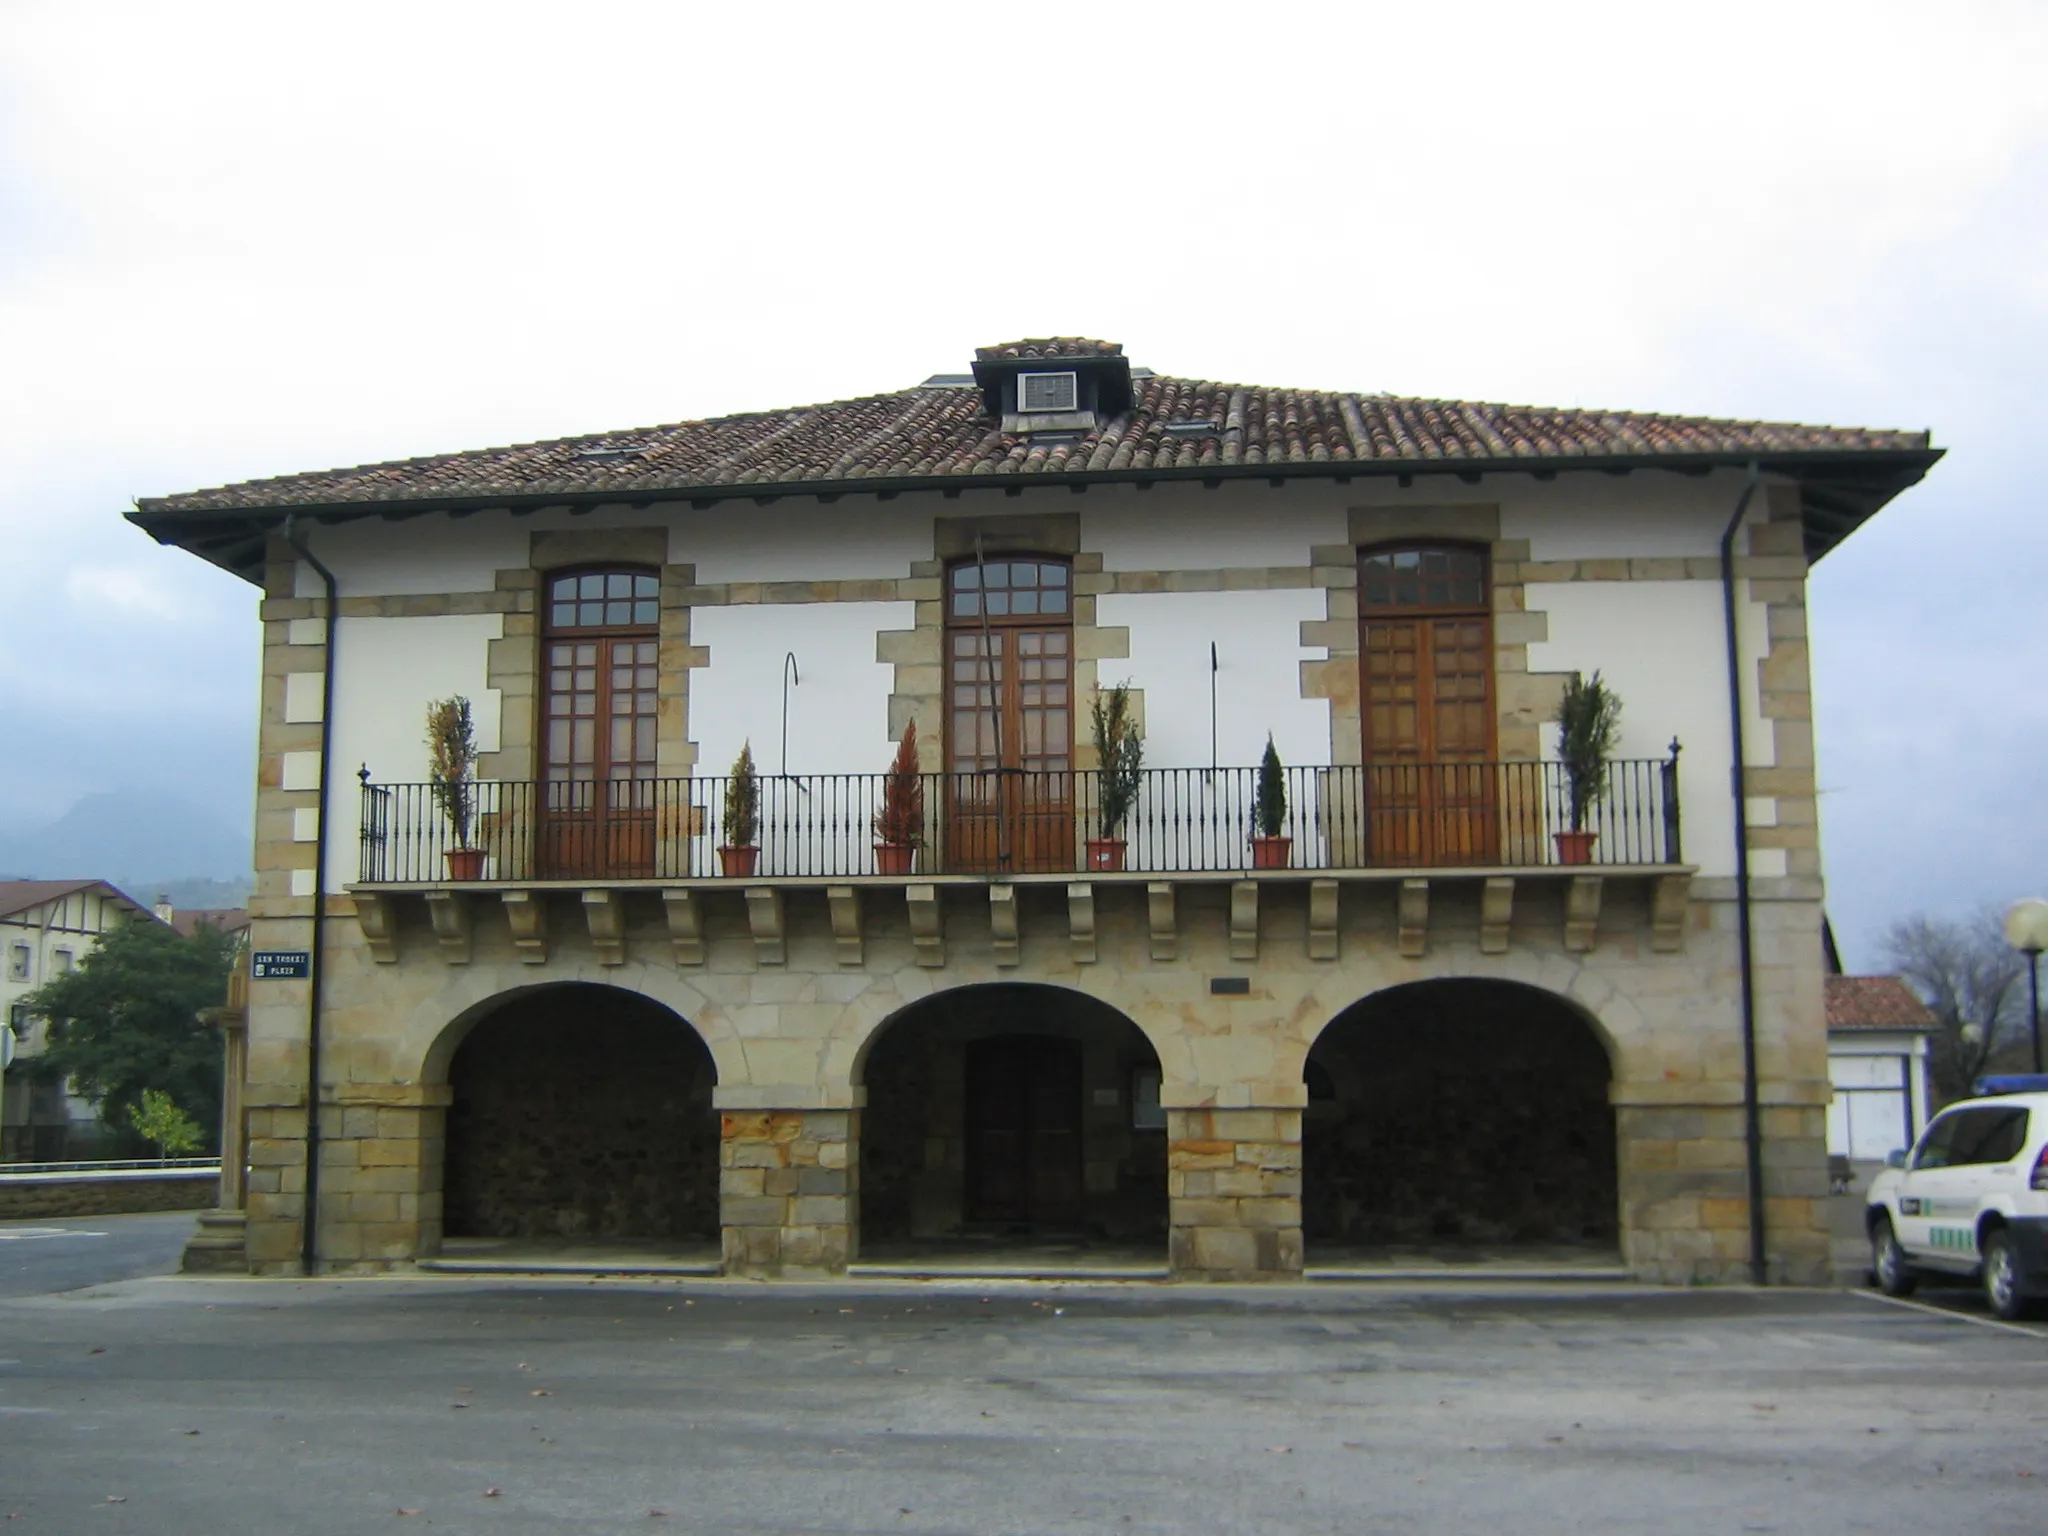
(788, 1190)
(1233, 1183)
(221, 1243)
(1684, 1184)
(275, 1114)
(380, 1174)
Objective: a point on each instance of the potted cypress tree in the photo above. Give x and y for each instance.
(451, 770)
(1121, 753)
(1588, 727)
(899, 825)
(739, 853)
(1270, 843)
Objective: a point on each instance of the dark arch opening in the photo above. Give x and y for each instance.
(582, 1114)
(1456, 1119)
(1011, 1114)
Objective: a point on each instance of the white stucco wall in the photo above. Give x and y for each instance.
(848, 540)
(838, 713)
(1594, 517)
(1258, 674)
(1192, 529)
(1661, 645)
(386, 673)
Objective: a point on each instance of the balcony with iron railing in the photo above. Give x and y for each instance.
(1184, 822)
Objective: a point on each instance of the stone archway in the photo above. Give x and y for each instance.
(1459, 1119)
(1011, 1115)
(581, 1114)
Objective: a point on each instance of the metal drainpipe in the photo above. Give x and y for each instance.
(310, 1226)
(1752, 1113)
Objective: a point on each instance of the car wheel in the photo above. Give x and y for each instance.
(1888, 1264)
(2002, 1278)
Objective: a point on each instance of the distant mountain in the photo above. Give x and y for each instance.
(143, 843)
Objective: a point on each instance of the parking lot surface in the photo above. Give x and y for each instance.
(351, 1405)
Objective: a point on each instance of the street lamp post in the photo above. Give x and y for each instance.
(2026, 930)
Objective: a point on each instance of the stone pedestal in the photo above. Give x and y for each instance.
(1233, 1183)
(788, 1185)
(221, 1245)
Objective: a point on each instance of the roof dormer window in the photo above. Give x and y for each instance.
(1056, 385)
(1048, 392)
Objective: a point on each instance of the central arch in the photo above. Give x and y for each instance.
(1459, 1120)
(1011, 1115)
(580, 1115)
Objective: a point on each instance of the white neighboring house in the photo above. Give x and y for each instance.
(46, 928)
(1877, 1062)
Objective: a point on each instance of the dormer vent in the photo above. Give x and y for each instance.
(1048, 392)
(1053, 384)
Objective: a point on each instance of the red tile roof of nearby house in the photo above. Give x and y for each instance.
(18, 896)
(188, 921)
(941, 433)
(1875, 1002)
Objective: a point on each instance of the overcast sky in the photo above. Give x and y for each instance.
(244, 240)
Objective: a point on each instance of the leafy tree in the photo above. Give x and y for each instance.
(127, 1019)
(1973, 982)
(159, 1119)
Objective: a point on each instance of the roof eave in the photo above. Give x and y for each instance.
(1843, 488)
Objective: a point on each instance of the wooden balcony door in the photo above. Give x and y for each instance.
(1427, 697)
(1010, 716)
(597, 808)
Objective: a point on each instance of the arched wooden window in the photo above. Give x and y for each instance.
(1010, 712)
(598, 701)
(1427, 698)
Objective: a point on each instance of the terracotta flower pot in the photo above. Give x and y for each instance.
(1106, 853)
(466, 863)
(1271, 852)
(738, 863)
(895, 858)
(1575, 847)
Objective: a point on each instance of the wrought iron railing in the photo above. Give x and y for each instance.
(1185, 820)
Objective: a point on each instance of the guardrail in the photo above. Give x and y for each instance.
(1398, 815)
(115, 1168)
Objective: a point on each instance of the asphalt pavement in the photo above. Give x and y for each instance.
(66, 1253)
(172, 1406)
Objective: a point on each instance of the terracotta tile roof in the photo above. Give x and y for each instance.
(1049, 347)
(1875, 1002)
(940, 432)
(18, 896)
(189, 921)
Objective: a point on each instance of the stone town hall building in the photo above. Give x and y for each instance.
(1424, 1033)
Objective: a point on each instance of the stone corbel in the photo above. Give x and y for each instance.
(1496, 911)
(1669, 900)
(449, 911)
(1244, 920)
(1159, 911)
(527, 912)
(927, 924)
(1081, 922)
(1411, 916)
(764, 919)
(842, 903)
(685, 925)
(1322, 920)
(1002, 921)
(606, 915)
(377, 916)
(1582, 912)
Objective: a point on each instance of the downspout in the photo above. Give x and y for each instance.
(310, 1227)
(1752, 1111)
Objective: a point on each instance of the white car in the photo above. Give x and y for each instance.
(1970, 1200)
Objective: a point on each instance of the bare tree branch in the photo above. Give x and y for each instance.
(1971, 980)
